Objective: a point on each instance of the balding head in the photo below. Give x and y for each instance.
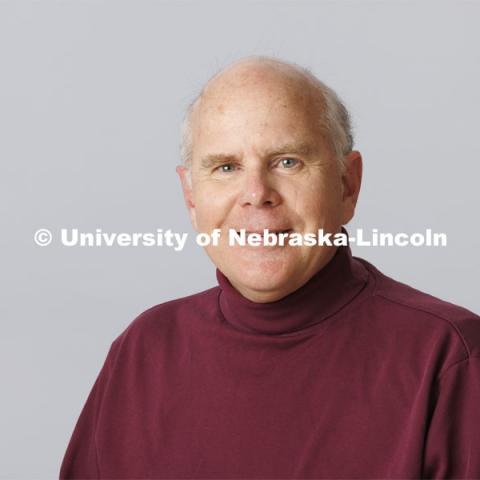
(270, 75)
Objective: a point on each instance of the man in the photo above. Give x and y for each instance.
(304, 362)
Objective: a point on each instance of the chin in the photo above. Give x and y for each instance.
(262, 274)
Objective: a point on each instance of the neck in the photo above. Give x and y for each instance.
(323, 295)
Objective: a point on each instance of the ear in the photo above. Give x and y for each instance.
(351, 181)
(187, 193)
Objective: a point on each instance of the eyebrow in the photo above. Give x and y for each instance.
(291, 147)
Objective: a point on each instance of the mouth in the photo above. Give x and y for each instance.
(284, 232)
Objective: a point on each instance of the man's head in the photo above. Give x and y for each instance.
(268, 146)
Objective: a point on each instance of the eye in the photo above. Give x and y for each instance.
(288, 162)
(225, 168)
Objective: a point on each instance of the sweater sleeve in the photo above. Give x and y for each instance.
(452, 448)
(80, 460)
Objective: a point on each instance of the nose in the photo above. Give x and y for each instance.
(257, 190)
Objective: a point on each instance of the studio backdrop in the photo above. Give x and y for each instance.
(92, 95)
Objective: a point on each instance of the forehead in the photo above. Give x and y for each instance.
(262, 112)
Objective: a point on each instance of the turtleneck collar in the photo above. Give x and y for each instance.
(327, 292)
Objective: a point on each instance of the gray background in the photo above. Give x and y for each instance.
(91, 96)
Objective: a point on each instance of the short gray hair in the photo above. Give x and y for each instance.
(334, 118)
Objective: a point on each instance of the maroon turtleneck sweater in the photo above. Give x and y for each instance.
(354, 375)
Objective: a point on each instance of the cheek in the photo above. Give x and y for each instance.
(211, 208)
(320, 206)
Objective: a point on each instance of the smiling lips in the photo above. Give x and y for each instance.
(268, 230)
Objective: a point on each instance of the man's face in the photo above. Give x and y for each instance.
(259, 162)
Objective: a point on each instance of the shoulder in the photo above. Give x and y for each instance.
(160, 323)
(424, 312)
